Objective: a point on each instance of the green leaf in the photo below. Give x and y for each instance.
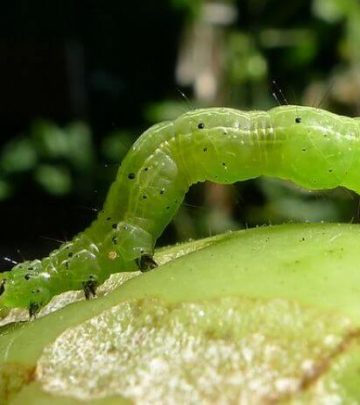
(266, 314)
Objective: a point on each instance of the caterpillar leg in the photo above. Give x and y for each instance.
(89, 287)
(34, 308)
(146, 263)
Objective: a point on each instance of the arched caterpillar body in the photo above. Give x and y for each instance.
(311, 147)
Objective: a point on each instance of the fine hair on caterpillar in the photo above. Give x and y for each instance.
(311, 147)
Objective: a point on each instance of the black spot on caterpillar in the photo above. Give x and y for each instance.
(314, 148)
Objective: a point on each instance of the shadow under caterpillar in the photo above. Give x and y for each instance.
(314, 148)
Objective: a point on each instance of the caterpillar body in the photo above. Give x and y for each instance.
(313, 148)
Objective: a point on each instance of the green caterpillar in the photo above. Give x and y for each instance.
(313, 148)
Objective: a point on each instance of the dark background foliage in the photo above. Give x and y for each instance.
(79, 81)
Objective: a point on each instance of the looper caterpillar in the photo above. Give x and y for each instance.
(313, 148)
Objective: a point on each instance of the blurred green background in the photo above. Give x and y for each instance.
(80, 81)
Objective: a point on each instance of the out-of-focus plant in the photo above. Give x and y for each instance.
(115, 145)
(58, 160)
(191, 7)
(54, 157)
